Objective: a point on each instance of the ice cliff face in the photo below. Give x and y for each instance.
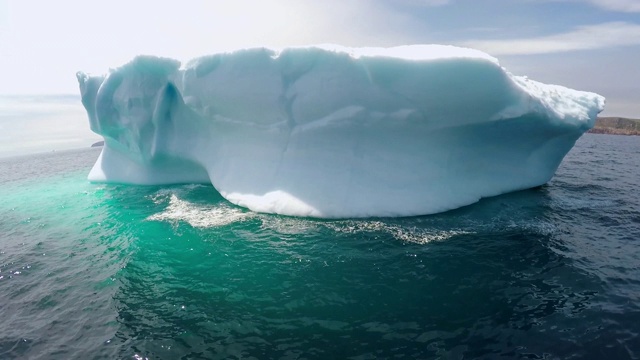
(335, 132)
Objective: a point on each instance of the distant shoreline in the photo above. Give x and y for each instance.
(616, 126)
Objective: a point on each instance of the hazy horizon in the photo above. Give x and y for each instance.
(588, 45)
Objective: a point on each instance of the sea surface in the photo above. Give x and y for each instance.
(94, 271)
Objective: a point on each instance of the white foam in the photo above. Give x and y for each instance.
(200, 216)
(223, 214)
(289, 225)
(410, 234)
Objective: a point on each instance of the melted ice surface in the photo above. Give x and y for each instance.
(330, 131)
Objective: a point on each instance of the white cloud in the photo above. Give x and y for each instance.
(618, 5)
(427, 2)
(610, 5)
(591, 37)
(43, 44)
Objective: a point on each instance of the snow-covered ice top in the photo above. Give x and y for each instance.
(330, 131)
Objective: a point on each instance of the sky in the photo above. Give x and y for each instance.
(591, 45)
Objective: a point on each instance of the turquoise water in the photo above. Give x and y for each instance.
(112, 271)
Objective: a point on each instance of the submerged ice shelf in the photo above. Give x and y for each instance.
(328, 131)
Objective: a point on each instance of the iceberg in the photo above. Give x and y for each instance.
(334, 132)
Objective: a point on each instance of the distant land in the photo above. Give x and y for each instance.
(616, 126)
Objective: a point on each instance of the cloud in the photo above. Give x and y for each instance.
(590, 37)
(40, 51)
(618, 5)
(610, 5)
(427, 2)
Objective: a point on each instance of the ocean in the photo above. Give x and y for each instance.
(95, 271)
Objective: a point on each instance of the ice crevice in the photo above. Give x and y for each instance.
(334, 132)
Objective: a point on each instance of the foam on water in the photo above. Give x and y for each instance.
(288, 225)
(203, 217)
(196, 215)
(220, 214)
(402, 233)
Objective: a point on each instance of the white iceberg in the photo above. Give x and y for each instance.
(335, 132)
